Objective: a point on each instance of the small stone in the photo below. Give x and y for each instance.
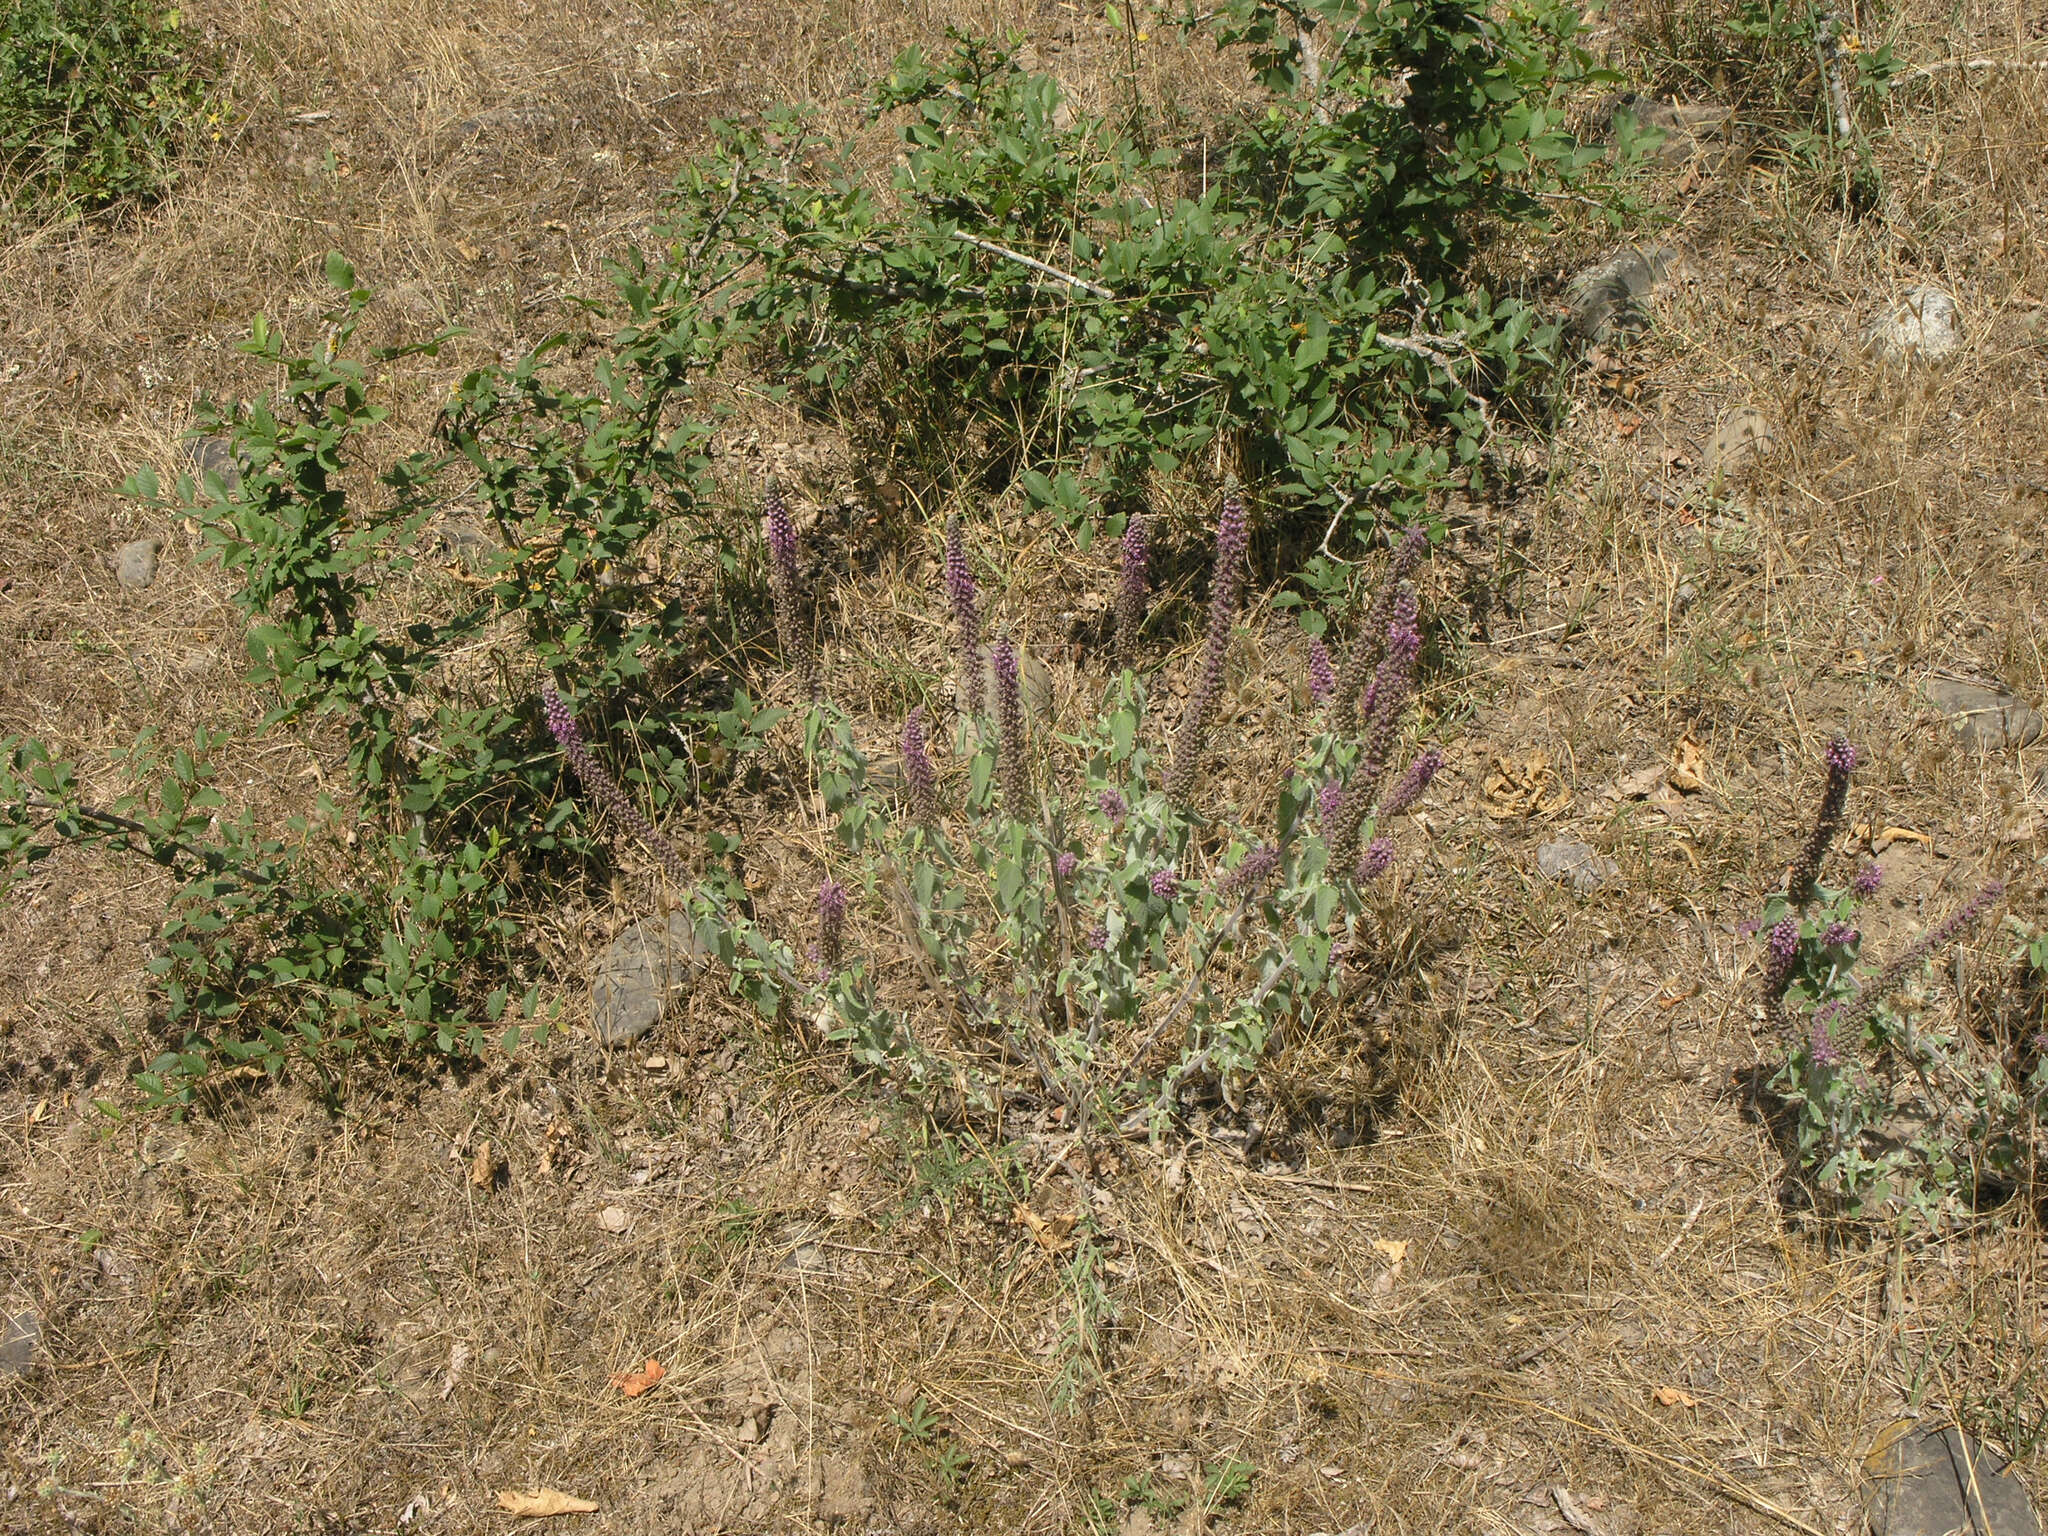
(1034, 684)
(215, 456)
(656, 1063)
(1609, 300)
(18, 1343)
(1939, 1482)
(613, 1219)
(635, 977)
(1921, 325)
(1984, 718)
(1576, 865)
(135, 562)
(1742, 438)
(1685, 127)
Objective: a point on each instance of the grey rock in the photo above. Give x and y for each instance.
(469, 543)
(1034, 684)
(1609, 301)
(1685, 127)
(1923, 325)
(135, 562)
(636, 976)
(1939, 1482)
(1742, 437)
(215, 456)
(1576, 865)
(1987, 719)
(19, 1341)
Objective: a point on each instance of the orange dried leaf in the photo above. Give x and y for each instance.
(538, 1503)
(634, 1383)
(1673, 1397)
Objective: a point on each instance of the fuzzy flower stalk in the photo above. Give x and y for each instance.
(1851, 1016)
(1392, 682)
(1365, 654)
(966, 616)
(918, 772)
(831, 924)
(1012, 772)
(601, 786)
(783, 583)
(1841, 762)
(1233, 536)
(1322, 677)
(1130, 592)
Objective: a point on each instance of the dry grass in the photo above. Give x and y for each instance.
(1569, 1261)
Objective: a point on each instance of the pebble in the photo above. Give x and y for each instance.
(1921, 325)
(1608, 300)
(135, 562)
(638, 973)
(1985, 718)
(613, 1219)
(1576, 865)
(18, 1343)
(1936, 1482)
(215, 456)
(1741, 438)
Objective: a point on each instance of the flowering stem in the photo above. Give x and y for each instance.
(1232, 537)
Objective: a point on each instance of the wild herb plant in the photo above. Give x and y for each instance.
(1896, 1111)
(1086, 922)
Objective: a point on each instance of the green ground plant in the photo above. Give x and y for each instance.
(97, 99)
(1895, 1113)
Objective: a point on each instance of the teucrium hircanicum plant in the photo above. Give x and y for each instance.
(1088, 937)
(1896, 1111)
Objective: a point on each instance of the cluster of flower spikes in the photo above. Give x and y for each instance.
(1344, 807)
(1848, 1017)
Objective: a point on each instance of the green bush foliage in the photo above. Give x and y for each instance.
(96, 100)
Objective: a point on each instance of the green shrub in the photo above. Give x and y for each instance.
(96, 100)
(1073, 305)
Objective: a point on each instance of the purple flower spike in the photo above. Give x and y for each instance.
(1868, 879)
(1841, 762)
(1364, 654)
(1330, 800)
(1861, 1008)
(918, 771)
(1408, 789)
(1781, 949)
(1130, 594)
(831, 923)
(1164, 883)
(1322, 677)
(1392, 683)
(1233, 537)
(1065, 864)
(1253, 871)
(1098, 937)
(1113, 805)
(591, 774)
(1011, 768)
(1784, 941)
(1820, 1046)
(966, 617)
(1377, 859)
(783, 585)
(1838, 934)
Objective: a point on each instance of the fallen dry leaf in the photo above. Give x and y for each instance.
(1051, 1235)
(613, 1218)
(1688, 772)
(483, 1167)
(1891, 835)
(1395, 1251)
(634, 1383)
(1672, 1397)
(1527, 788)
(1639, 785)
(537, 1503)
